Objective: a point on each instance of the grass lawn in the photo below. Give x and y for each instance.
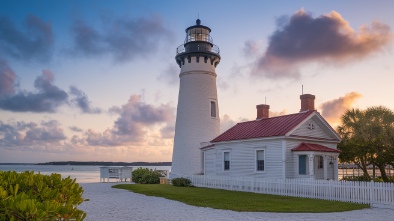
(240, 201)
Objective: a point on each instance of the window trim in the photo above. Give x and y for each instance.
(255, 160)
(224, 162)
(320, 162)
(204, 161)
(210, 108)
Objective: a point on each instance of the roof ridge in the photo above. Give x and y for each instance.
(260, 119)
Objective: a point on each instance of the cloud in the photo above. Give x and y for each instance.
(327, 38)
(30, 135)
(168, 131)
(124, 38)
(333, 110)
(222, 84)
(136, 112)
(47, 97)
(170, 75)
(33, 42)
(252, 48)
(277, 113)
(141, 129)
(87, 40)
(81, 101)
(106, 138)
(136, 119)
(75, 129)
(226, 122)
(7, 80)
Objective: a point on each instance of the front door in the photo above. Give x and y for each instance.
(302, 164)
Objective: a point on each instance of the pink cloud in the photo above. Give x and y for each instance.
(328, 38)
(333, 110)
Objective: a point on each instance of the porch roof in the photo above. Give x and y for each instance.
(314, 147)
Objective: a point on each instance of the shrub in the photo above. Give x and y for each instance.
(29, 196)
(362, 178)
(145, 176)
(356, 178)
(181, 182)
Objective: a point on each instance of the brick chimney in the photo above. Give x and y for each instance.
(262, 111)
(307, 102)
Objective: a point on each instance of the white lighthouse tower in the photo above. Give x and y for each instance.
(197, 117)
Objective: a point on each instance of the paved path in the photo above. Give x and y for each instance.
(107, 203)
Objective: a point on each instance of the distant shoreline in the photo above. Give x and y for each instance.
(95, 163)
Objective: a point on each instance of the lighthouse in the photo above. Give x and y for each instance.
(197, 118)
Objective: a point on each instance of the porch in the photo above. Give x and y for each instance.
(316, 161)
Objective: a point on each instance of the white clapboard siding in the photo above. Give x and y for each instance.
(243, 158)
(375, 194)
(209, 162)
(319, 130)
(291, 159)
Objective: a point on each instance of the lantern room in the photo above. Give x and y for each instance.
(198, 32)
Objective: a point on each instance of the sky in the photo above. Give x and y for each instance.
(97, 80)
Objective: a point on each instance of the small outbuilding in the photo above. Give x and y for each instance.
(120, 173)
(301, 145)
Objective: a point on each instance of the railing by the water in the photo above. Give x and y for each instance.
(373, 193)
(352, 170)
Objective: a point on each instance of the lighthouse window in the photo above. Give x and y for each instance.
(213, 109)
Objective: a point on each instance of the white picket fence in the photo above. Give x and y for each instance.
(376, 194)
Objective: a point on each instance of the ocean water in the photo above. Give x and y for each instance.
(83, 174)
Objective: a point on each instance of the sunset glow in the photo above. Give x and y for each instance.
(98, 81)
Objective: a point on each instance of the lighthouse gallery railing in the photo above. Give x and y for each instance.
(198, 48)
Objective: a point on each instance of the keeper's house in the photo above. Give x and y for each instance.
(301, 145)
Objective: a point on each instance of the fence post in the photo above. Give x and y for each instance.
(371, 193)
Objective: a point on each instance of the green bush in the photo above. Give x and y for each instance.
(145, 176)
(356, 178)
(29, 196)
(181, 182)
(362, 178)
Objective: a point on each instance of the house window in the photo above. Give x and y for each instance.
(260, 160)
(213, 109)
(320, 162)
(302, 164)
(226, 161)
(113, 170)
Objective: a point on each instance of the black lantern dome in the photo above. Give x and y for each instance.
(198, 43)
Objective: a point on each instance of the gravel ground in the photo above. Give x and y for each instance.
(107, 203)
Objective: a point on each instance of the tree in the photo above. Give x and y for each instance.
(368, 138)
(353, 149)
(379, 134)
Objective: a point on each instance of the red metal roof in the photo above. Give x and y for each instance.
(268, 127)
(314, 147)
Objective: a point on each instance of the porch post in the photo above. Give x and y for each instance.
(325, 166)
(335, 167)
(311, 166)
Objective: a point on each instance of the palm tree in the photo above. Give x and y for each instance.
(353, 148)
(368, 138)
